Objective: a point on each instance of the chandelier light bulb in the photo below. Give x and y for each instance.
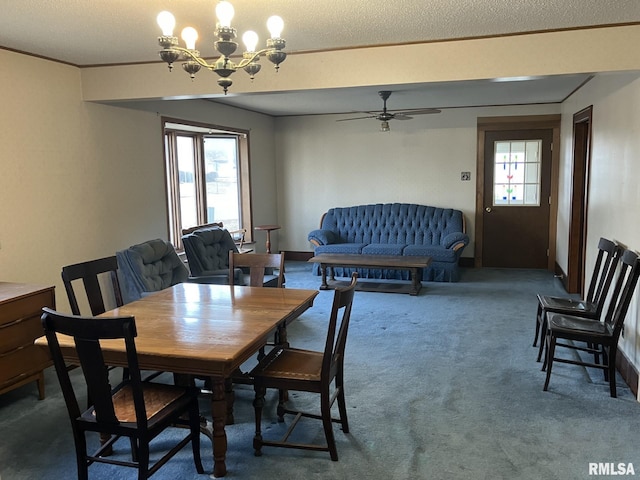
(275, 24)
(224, 12)
(250, 39)
(167, 23)
(190, 35)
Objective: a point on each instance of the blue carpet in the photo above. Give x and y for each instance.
(440, 386)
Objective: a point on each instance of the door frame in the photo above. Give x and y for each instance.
(525, 122)
(574, 282)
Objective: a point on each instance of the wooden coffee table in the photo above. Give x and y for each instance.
(393, 262)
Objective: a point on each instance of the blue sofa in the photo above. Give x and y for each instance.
(394, 229)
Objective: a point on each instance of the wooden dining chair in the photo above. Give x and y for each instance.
(600, 336)
(134, 409)
(589, 307)
(257, 265)
(90, 272)
(262, 268)
(295, 369)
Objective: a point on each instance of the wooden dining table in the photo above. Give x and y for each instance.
(204, 330)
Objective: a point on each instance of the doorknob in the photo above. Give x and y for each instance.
(488, 209)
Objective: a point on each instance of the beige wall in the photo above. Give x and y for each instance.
(323, 163)
(82, 180)
(614, 194)
(78, 181)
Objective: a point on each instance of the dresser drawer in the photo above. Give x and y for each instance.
(20, 333)
(22, 362)
(25, 307)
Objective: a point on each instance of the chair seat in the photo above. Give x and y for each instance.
(576, 325)
(291, 364)
(157, 397)
(569, 305)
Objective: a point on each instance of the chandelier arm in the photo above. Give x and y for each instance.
(192, 56)
(247, 60)
(243, 63)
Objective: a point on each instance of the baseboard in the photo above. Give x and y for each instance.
(559, 273)
(297, 256)
(628, 372)
(466, 262)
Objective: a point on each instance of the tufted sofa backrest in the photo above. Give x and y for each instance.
(207, 250)
(393, 223)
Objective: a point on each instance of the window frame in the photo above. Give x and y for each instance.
(171, 128)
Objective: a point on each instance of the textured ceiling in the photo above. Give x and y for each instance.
(83, 32)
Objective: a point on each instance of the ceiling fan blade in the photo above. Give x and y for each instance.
(421, 111)
(401, 116)
(356, 118)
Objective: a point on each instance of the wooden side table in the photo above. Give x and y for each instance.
(268, 229)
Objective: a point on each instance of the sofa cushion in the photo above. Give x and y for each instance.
(340, 248)
(384, 249)
(437, 252)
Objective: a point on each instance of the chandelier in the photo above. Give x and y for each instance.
(224, 67)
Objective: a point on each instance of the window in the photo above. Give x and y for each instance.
(517, 173)
(207, 171)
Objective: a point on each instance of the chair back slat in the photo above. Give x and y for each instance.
(90, 273)
(338, 328)
(97, 379)
(603, 273)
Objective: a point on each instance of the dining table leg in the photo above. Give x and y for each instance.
(219, 414)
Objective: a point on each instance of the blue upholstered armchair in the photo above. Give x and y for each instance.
(207, 252)
(152, 266)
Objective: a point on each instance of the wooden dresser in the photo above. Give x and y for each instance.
(21, 361)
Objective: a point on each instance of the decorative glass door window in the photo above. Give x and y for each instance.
(516, 173)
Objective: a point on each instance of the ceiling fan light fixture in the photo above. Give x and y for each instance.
(385, 115)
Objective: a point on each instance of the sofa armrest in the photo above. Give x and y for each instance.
(322, 237)
(455, 241)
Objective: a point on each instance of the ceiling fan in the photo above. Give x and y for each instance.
(384, 116)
